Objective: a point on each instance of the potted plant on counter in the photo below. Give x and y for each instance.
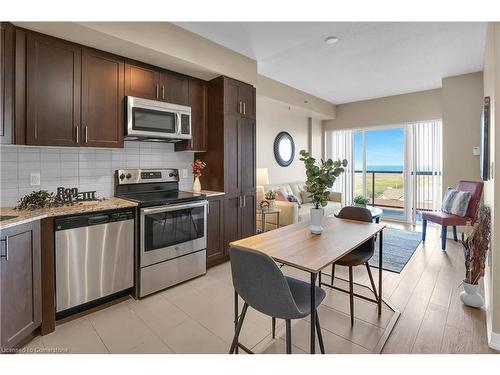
(361, 201)
(475, 249)
(320, 178)
(198, 166)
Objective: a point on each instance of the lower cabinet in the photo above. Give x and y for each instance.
(215, 231)
(20, 284)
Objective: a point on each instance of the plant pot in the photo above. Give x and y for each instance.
(316, 220)
(470, 295)
(360, 205)
(272, 204)
(196, 185)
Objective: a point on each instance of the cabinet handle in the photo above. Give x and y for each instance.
(239, 107)
(77, 135)
(239, 201)
(244, 201)
(6, 256)
(86, 134)
(157, 91)
(244, 108)
(163, 92)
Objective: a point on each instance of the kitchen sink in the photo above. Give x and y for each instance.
(6, 217)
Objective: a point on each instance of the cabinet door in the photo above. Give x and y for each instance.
(53, 88)
(246, 167)
(142, 81)
(232, 225)
(102, 99)
(248, 213)
(247, 97)
(215, 230)
(232, 155)
(20, 280)
(232, 102)
(174, 88)
(198, 104)
(7, 52)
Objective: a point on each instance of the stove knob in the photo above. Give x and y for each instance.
(122, 176)
(128, 176)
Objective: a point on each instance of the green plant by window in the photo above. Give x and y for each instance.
(320, 177)
(359, 199)
(270, 195)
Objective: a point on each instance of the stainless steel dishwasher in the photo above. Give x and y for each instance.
(94, 257)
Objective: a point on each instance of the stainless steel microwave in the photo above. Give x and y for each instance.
(155, 120)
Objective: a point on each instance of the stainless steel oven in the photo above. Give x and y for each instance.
(152, 119)
(173, 241)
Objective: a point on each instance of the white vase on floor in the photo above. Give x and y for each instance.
(196, 185)
(470, 295)
(316, 220)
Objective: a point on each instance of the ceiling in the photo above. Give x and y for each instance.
(370, 60)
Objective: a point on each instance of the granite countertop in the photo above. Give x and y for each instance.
(208, 193)
(25, 216)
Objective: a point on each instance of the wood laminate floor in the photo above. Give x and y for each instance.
(197, 316)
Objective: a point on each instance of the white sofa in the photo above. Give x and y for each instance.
(293, 212)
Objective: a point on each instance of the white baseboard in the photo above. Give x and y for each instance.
(493, 337)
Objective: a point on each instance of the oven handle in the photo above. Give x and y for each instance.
(149, 211)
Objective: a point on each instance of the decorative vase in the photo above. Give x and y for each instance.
(316, 220)
(360, 205)
(470, 295)
(272, 204)
(197, 185)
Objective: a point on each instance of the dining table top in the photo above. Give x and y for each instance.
(296, 246)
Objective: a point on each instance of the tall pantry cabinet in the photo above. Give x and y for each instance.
(231, 155)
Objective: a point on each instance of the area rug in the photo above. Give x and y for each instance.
(399, 246)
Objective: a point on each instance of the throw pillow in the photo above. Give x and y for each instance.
(305, 197)
(456, 202)
(292, 198)
(281, 194)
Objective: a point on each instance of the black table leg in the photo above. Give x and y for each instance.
(313, 312)
(380, 272)
(236, 350)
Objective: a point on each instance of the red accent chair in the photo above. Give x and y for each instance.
(445, 220)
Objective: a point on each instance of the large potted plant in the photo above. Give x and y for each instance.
(475, 249)
(320, 178)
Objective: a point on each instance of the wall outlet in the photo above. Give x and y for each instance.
(476, 151)
(35, 179)
(184, 173)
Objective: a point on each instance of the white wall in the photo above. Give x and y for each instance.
(85, 168)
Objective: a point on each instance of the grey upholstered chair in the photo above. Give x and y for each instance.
(260, 283)
(361, 255)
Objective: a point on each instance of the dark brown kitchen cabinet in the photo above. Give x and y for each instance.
(102, 99)
(199, 109)
(230, 155)
(7, 56)
(53, 91)
(215, 230)
(20, 284)
(142, 81)
(174, 88)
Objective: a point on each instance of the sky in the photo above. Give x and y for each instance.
(383, 148)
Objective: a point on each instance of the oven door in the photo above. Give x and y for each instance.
(168, 232)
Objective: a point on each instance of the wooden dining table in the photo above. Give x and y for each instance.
(295, 246)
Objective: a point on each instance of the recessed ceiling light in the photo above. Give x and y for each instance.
(331, 40)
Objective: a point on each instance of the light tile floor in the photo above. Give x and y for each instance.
(197, 316)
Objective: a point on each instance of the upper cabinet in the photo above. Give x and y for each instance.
(53, 89)
(102, 99)
(144, 81)
(7, 53)
(240, 98)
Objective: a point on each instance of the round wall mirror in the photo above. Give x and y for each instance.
(284, 149)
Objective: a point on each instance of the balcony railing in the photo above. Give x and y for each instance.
(386, 189)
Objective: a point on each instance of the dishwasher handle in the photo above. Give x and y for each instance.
(98, 219)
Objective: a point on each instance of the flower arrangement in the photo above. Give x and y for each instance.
(264, 205)
(361, 200)
(476, 246)
(321, 177)
(270, 195)
(198, 166)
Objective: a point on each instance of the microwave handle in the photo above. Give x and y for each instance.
(177, 123)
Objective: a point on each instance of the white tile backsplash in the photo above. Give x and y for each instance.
(85, 168)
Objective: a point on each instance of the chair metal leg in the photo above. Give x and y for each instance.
(351, 295)
(288, 325)
(319, 279)
(444, 231)
(320, 335)
(455, 237)
(274, 327)
(238, 329)
(424, 229)
(333, 273)
(374, 289)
